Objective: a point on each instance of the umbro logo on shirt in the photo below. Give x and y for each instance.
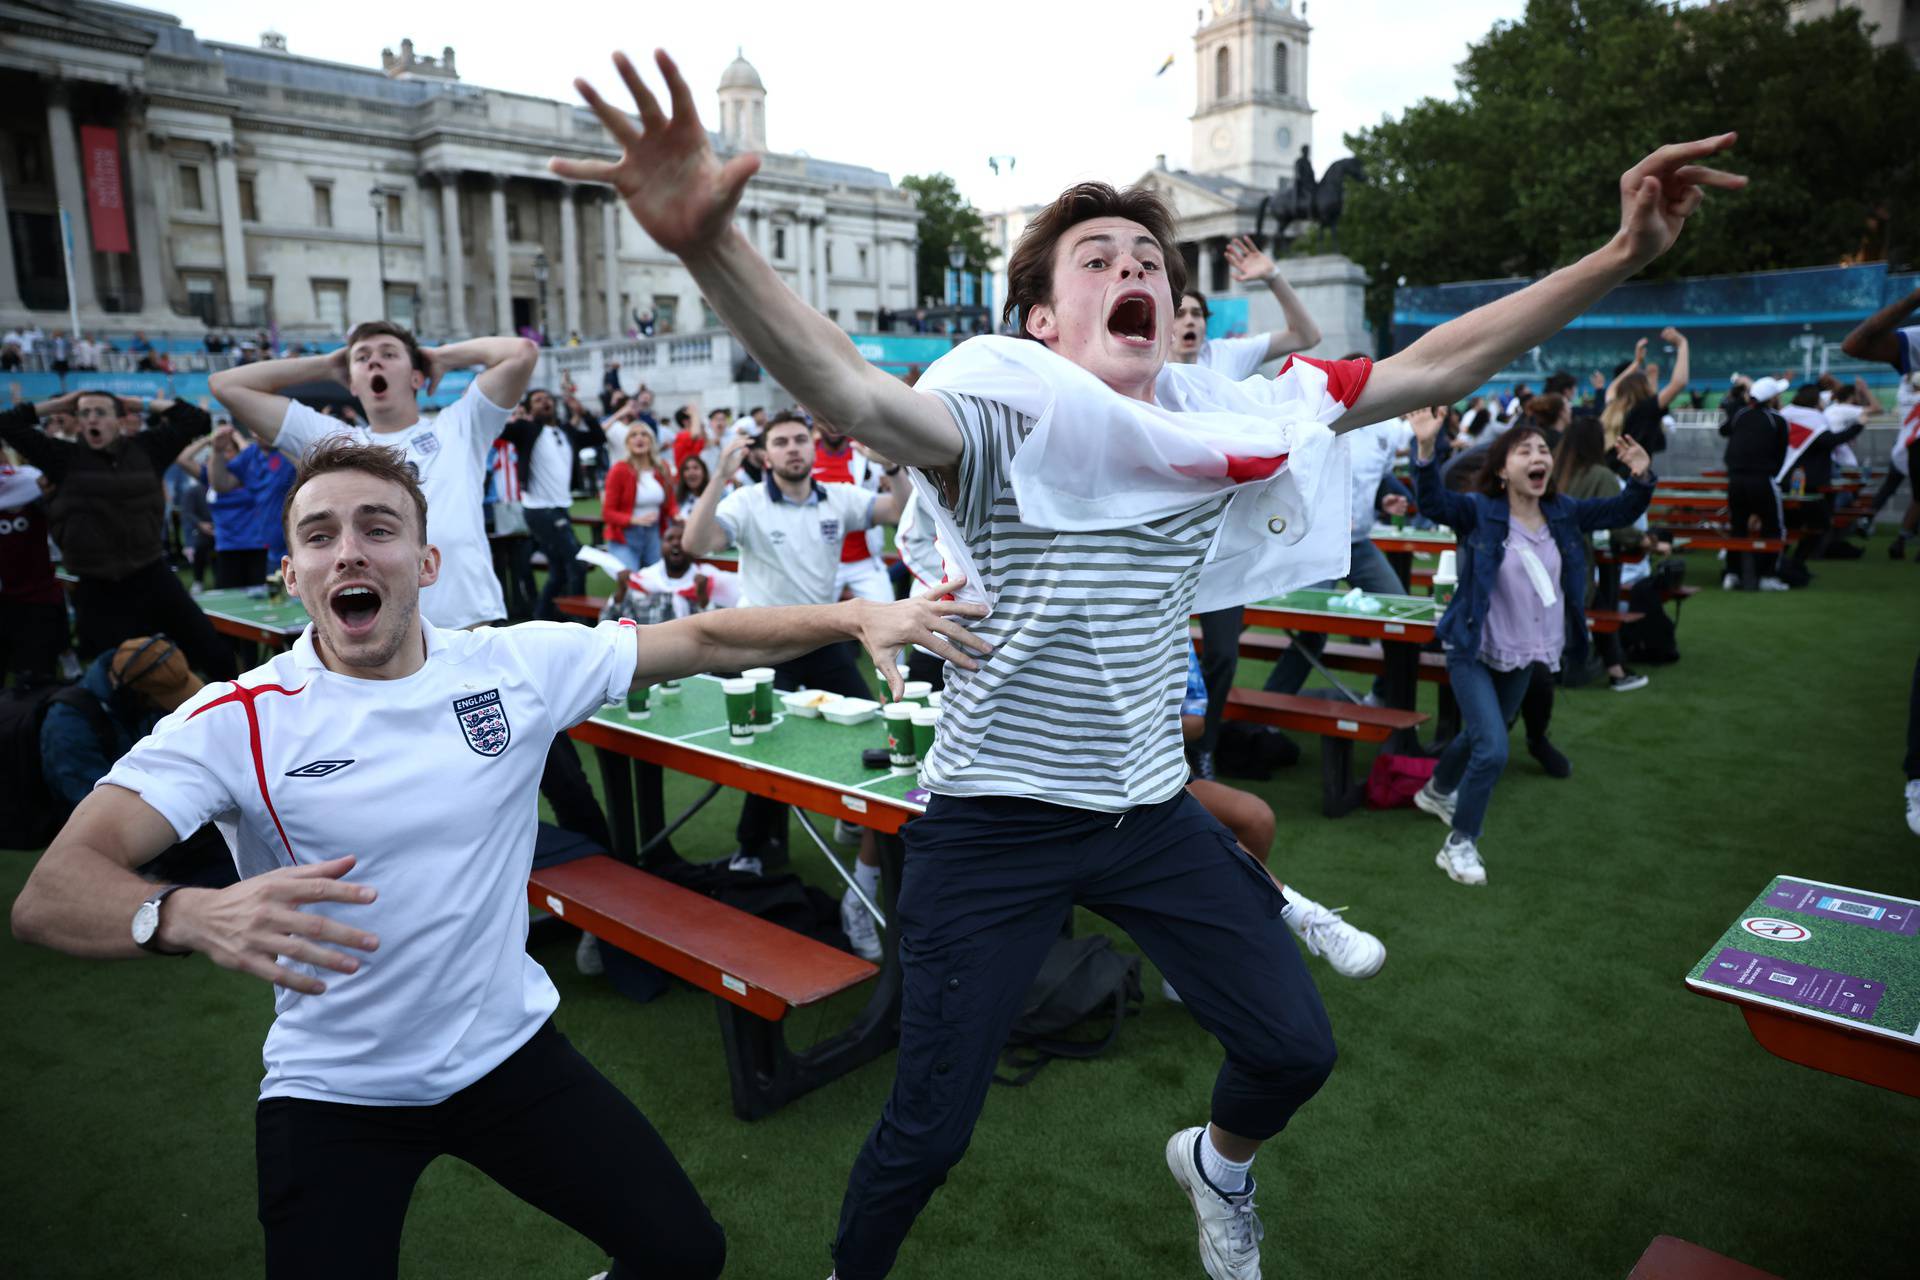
(318, 769)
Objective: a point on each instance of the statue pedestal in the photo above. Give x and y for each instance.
(1334, 289)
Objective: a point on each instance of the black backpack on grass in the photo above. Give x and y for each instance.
(30, 813)
(1082, 981)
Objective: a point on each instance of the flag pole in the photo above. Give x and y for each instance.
(66, 254)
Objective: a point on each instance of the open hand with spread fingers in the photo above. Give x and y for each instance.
(1248, 261)
(925, 621)
(667, 173)
(1659, 194)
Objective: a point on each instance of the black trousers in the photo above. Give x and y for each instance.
(552, 531)
(1219, 659)
(763, 822)
(246, 567)
(32, 638)
(335, 1179)
(988, 883)
(1749, 496)
(147, 600)
(1913, 726)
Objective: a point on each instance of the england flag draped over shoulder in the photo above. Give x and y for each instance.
(1804, 426)
(1098, 460)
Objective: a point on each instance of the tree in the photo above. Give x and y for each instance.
(1519, 174)
(945, 216)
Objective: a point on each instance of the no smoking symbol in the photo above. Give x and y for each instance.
(1775, 930)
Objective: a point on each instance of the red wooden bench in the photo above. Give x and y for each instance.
(1338, 724)
(1671, 1258)
(755, 969)
(1341, 655)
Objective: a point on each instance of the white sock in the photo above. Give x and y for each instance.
(868, 878)
(1228, 1178)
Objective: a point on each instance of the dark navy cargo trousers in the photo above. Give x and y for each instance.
(987, 886)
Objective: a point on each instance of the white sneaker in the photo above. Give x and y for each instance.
(1230, 1230)
(744, 862)
(1166, 989)
(1729, 582)
(857, 921)
(1913, 806)
(1373, 700)
(1773, 584)
(1352, 952)
(586, 956)
(1459, 857)
(1439, 804)
(843, 833)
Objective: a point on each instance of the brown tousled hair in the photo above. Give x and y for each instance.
(386, 328)
(1030, 269)
(1492, 479)
(344, 453)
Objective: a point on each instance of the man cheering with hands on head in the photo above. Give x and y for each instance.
(1108, 494)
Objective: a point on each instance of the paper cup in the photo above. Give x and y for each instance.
(667, 689)
(916, 691)
(739, 695)
(899, 721)
(935, 698)
(762, 678)
(924, 722)
(637, 702)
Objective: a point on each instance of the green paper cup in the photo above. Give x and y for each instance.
(924, 722)
(637, 702)
(936, 699)
(762, 678)
(739, 695)
(898, 717)
(916, 691)
(667, 689)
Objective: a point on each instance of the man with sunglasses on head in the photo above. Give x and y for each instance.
(107, 514)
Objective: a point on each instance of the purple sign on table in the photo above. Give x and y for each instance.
(919, 795)
(1799, 983)
(1883, 914)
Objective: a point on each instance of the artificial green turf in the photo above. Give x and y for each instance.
(1526, 1090)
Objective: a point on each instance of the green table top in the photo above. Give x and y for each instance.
(1824, 952)
(289, 616)
(1419, 609)
(815, 750)
(1438, 537)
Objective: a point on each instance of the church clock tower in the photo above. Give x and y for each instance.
(1251, 116)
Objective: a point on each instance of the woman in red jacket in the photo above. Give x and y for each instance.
(637, 501)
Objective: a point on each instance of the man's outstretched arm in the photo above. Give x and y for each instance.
(251, 392)
(684, 198)
(1657, 196)
(1874, 338)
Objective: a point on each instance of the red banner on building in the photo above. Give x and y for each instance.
(106, 205)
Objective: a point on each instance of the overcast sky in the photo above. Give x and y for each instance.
(1067, 88)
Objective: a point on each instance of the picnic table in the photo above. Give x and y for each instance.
(1826, 976)
(1401, 545)
(245, 613)
(1403, 625)
(812, 764)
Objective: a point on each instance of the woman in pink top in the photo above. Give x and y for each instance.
(637, 500)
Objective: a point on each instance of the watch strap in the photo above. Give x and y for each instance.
(153, 943)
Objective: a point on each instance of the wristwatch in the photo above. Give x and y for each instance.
(146, 922)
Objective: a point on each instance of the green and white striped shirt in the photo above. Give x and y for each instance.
(1080, 703)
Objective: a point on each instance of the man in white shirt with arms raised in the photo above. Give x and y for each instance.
(376, 787)
(386, 370)
(1058, 777)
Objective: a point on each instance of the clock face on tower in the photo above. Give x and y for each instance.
(1284, 137)
(1222, 138)
(1221, 8)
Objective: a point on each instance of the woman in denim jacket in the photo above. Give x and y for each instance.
(1521, 599)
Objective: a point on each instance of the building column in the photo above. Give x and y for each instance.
(817, 239)
(803, 257)
(458, 325)
(70, 189)
(233, 245)
(147, 240)
(879, 277)
(431, 319)
(10, 299)
(502, 258)
(610, 262)
(762, 233)
(569, 261)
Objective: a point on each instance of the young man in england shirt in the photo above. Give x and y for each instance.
(375, 785)
(1105, 494)
(386, 370)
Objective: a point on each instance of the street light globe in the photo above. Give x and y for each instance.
(957, 255)
(540, 267)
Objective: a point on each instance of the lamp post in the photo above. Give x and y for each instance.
(378, 199)
(540, 275)
(957, 260)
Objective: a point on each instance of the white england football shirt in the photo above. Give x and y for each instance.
(1906, 396)
(723, 588)
(449, 451)
(790, 552)
(432, 783)
(1236, 358)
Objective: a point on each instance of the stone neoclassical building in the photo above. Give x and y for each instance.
(228, 185)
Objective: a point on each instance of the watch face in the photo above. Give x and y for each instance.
(145, 922)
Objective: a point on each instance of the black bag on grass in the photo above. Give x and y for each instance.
(1653, 640)
(1082, 981)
